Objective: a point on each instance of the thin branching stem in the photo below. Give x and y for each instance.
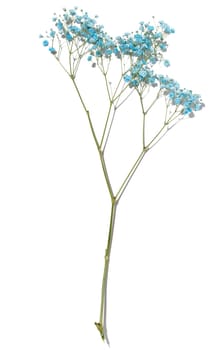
(106, 124)
(109, 129)
(143, 119)
(152, 104)
(130, 174)
(125, 99)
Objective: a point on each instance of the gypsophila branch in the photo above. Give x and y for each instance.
(78, 35)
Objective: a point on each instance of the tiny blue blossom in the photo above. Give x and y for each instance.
(127, 78)
(177, 101)
(45, 43)
(69, 37)
(59, 25)
(187, 110)
(52, 50)
(150, 28)
(166, 63)
(142, 73)
(72, 12)
(52, 33)
(163, 46)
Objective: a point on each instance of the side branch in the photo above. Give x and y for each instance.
(88, 114)
(144, 116)
(130, 174)
(106, 125)
(103, 164)
(101, 154)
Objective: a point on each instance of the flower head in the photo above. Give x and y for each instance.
(45, 43)
(166, 63)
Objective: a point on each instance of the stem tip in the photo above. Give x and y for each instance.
(100, 329)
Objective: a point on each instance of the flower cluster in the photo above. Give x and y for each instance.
(71, 27)
(185, 99)
(147, 44)
(140, 73)
(180, 97)
(144, 49)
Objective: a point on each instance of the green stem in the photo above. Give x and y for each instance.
(103, 164)
(101, 154)
(87, 112)
(144, 116)
(152, 104)
(106, 123)
(149, 145)
(101, 325)
(130, 174)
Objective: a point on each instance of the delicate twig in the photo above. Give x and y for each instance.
(109, 130)
(87, 112)
(152, 104)
(144, 116)
(130, 174)
(125, 99)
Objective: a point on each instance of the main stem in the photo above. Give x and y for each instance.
(101, 325)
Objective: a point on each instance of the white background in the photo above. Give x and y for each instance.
(54, 206)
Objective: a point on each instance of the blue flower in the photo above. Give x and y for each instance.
(127, 78)
(59, 25)
(150, 28)
(69, 37)
(74, 29)
(52, 50)
(108, 52)
(166, 28)
(142, 73)
(166, 63)
(197, 107)
(158, 35)
(138, 38)
(52, 33)
(163, 47)
(186, 111)
(172, 94)
(72, 12)
(45, 43)
(153, 60)
(134, 83)
(177, 101)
